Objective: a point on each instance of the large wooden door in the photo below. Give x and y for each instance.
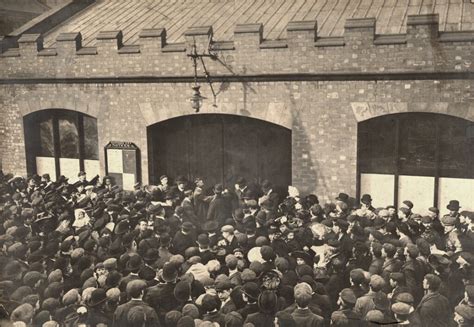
(220, 148)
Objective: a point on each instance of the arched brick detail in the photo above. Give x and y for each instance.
(368, 110)
(89, 108)
(275, 112)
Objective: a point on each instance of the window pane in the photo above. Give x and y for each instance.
(456, 148)
(418, 145)
(91, 139)
(46, 139)
(377, 140)
(68, 136)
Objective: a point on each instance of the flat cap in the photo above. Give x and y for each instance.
(110, 264)
(465, 311)
(401, 308)
(397, 276)
(347, 295)
(448, 220)
(376, 282)
(405, 297)
(227, 228)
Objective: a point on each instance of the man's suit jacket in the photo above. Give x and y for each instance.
(120, 316)
(305, 318)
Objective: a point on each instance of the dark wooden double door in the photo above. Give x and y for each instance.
(220, 148)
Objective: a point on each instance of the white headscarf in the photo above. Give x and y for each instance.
(80, 222)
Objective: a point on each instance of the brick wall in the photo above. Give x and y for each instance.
(322, 110)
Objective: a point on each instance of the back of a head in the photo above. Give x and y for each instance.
(303, 299)
(268, 302)
(434, 282)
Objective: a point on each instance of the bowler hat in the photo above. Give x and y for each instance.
(453, 205)
(366, 199)
(169, 272)
(203, 240)
(122, 227)
(134, 263)
(187, 226)
(210, 303)
(98, 296)
(151, 255)
(210, 226)
(251, 290)
(343, 197)
(408, 203)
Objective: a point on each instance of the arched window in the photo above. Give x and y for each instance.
(424, 157)
(61, 142)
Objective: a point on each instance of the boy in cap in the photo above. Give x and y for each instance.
(405, 314)
(346, 316)
(464, 315)
(366, 303)
(224, 289)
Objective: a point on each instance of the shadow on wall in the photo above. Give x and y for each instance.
(305, 168)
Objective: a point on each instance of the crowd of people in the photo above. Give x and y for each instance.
(184, 253)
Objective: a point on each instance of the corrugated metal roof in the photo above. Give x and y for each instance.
(131, 16)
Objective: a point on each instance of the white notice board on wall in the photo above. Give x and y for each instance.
(123, 163)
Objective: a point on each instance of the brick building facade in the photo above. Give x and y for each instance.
(319, 87)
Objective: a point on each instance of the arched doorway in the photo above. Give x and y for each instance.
(61, 142)
(424, 157)
(220, 148)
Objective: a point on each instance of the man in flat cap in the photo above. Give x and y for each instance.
(366, 303)
(452, 233)
(346, 316)
(405, 315)
(464, 315)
